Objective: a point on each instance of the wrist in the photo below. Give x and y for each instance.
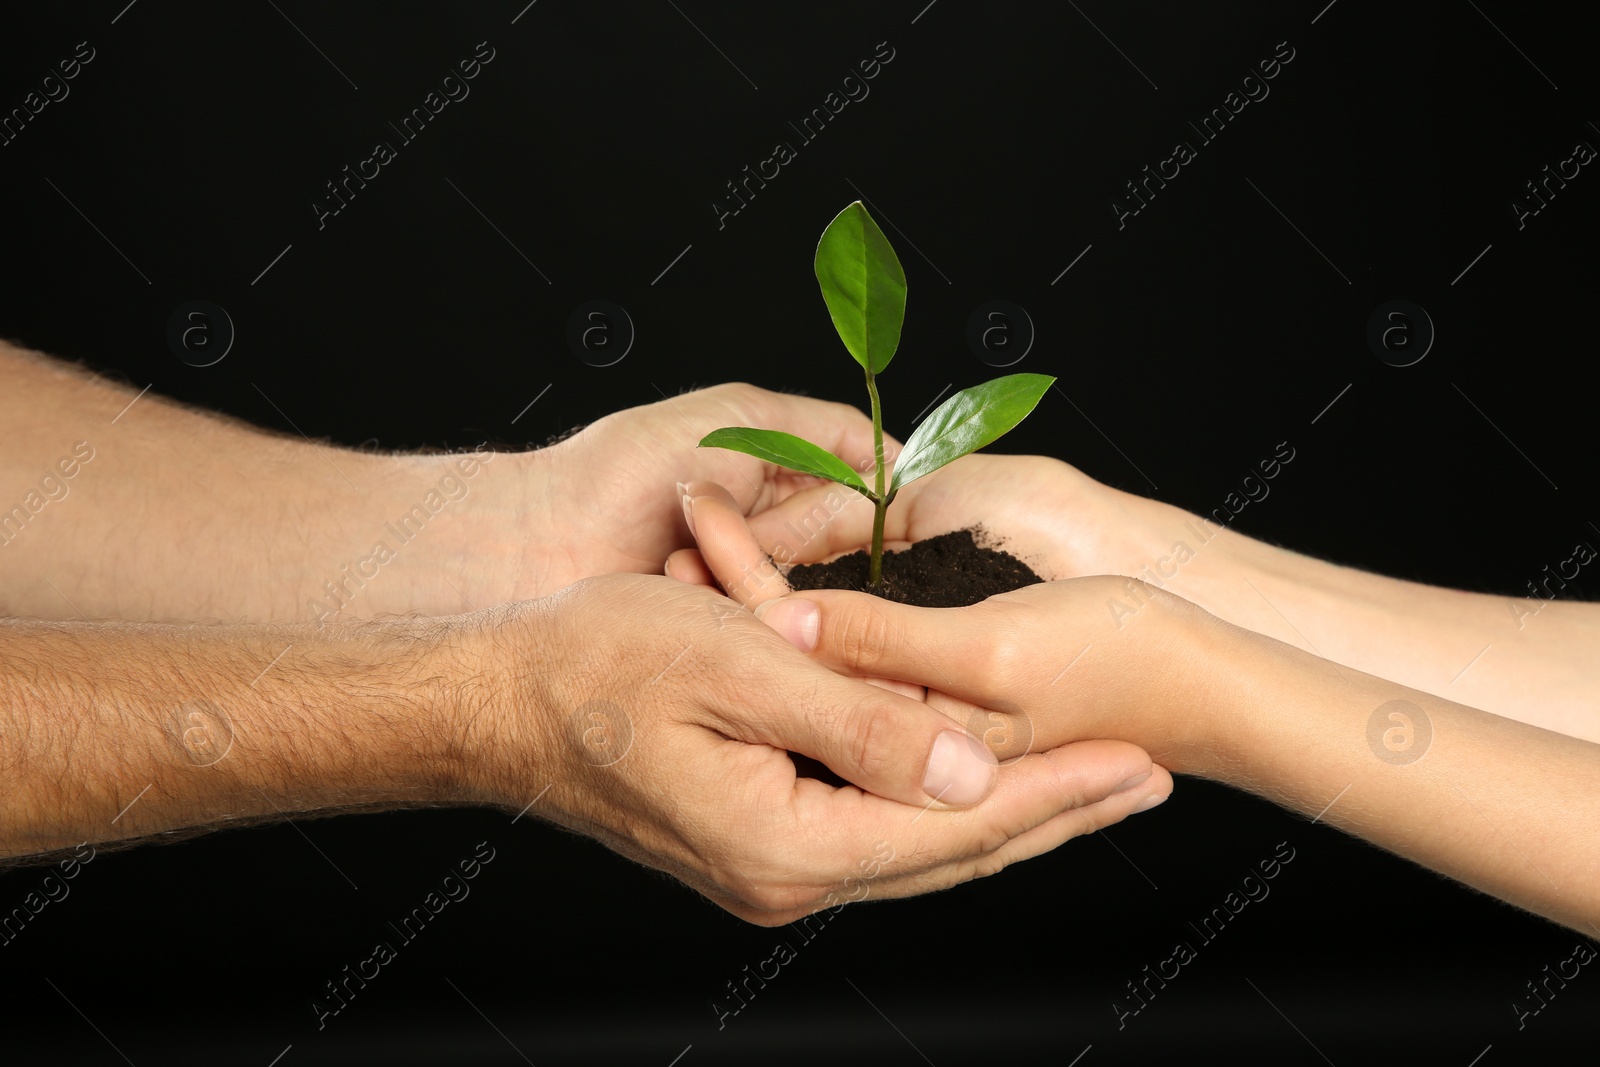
(437, 534)
(498, 721)
(1190, 669)
(368, 713)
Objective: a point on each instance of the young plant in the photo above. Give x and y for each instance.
(865, 291)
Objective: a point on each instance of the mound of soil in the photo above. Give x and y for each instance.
(948, 571)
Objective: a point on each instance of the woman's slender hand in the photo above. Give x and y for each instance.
(1528, 655)
(1499, 804)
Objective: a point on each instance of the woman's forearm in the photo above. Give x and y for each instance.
(1496, 803)
(1527, 659)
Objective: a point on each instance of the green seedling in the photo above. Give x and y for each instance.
(865, 290)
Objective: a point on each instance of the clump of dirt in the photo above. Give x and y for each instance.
(952, 570)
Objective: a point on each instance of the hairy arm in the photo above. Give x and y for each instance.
(120, 505)
(129, 730)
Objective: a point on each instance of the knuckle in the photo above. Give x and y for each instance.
(864, 636)
(999, 656)
(867, 736)
(989, 865)
(990, 840)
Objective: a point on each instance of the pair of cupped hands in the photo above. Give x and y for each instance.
(969, 738)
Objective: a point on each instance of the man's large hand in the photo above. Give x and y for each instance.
(661, 716)
(612, 505)
(169, 513)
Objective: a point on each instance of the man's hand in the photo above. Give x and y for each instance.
(661, 716)
(607, 496)
(124, 505)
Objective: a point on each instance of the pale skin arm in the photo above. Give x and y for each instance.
(169, 513)
(1506, 654)
(1529, 659)
(1499, 804)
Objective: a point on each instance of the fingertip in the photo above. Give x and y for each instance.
(731, 552)
(712, 489)
(1088, 772)
(799, 620)
(687, 565)
(1156, 789)
(961, 770)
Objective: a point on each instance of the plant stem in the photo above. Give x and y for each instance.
(880, 503)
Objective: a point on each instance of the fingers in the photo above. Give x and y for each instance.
(887, 744)
(1047, 836)
(905, 689)
(687, 565)
(728, 548)
(1040, 801)
(820, 522)
(840, 428)
(867, 636)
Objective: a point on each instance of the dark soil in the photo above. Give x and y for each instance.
(948, 571)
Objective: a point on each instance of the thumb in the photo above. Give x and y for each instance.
(887, 744)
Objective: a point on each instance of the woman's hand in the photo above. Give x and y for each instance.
(1433, 780)
(1054, 518)
(1028, 670)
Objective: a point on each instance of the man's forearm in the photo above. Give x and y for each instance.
(115, 731)
(117, 505)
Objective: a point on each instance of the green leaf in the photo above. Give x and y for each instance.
(863, 285)
(786, 450)
(968, 421)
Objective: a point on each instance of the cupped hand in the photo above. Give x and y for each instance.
(611, 496)
(661, 715)
(1056, 519)
(730, 557)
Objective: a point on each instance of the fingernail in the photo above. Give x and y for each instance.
(799, 621)
(1131, 782)
(1149, 802)
(688, 512)
(960, 769)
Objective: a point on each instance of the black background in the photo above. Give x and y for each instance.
(1195, 339)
